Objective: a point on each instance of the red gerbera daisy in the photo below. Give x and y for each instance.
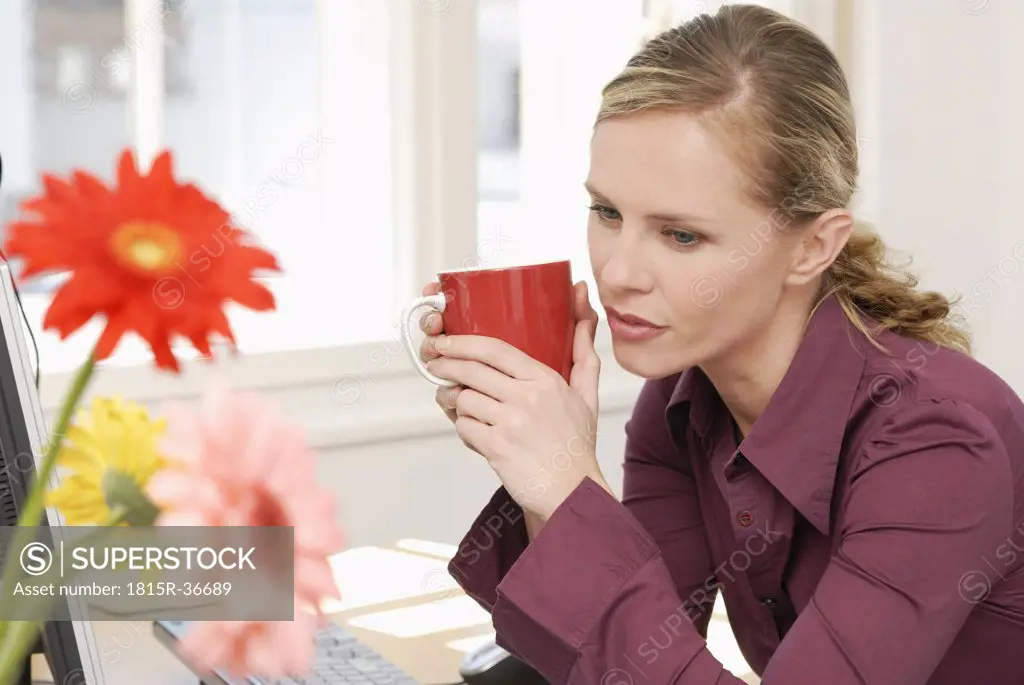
(151, 255)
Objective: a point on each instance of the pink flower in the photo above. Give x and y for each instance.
(238, 461)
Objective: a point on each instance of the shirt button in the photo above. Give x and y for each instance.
(769, 602)
(745, 518)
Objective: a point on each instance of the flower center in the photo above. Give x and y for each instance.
(267, 510)
(146, 245)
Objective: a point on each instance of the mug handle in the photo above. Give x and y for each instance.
(437, 303)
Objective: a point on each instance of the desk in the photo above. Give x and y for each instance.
(398, 600)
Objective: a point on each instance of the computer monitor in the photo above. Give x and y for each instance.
(69, 646)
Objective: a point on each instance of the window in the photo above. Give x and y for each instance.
(542, 68)
(368, 144)
(279, 108)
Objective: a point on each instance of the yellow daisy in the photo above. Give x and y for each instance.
(108, 456)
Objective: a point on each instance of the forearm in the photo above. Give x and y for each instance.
(582, 598)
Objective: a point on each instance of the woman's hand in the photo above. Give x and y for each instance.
(536, 431)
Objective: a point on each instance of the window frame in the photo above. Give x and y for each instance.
(432, 49)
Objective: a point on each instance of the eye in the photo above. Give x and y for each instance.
(680, 237)
(605, 214)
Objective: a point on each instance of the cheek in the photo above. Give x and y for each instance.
(716, 286)
(600, 244)
(701, 283)
(752, 278)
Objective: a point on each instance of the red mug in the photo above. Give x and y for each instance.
(529, 307)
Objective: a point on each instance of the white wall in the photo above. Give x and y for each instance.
(948, 143)
(429, 488)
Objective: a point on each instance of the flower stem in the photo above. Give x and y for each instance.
(20, 636)
(34, 505)
(17, 637)
(14, 656)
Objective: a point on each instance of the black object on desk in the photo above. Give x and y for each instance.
(68, 645)
(489, 664)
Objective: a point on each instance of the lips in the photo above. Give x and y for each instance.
(630, 328)
(631, 319)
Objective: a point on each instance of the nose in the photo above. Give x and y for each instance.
(626, 269)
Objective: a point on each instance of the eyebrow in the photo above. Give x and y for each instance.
(671, 218)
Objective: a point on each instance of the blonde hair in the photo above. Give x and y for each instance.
(780, 91)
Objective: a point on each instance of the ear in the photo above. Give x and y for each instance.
(823, 240)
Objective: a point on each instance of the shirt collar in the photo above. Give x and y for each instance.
(796, 443)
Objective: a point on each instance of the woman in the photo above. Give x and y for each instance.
(813, 440)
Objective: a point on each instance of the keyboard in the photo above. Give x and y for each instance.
(340, 660)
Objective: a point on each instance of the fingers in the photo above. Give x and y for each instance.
(431, 323)
(586, 366)
(582, 308)
(478, 406)
(510, 361)
(446, 398)
(467, 427)
(475, 375)
(432, 326)
(473, 433)
(428, 348)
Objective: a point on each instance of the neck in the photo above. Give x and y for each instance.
(747, 376)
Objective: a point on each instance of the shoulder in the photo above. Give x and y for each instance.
(935, 425)
(937, 467)
(944, 436)
(933, 418)
(914, 381)
(908, 371)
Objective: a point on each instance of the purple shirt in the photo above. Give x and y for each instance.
(869, 529)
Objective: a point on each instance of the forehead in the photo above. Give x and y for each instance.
(663, 161)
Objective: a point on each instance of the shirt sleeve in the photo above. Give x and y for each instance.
(932, 495)
(494, 542)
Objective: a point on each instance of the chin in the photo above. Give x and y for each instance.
(648, 360)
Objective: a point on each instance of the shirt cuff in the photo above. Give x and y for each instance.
(565, 581)
(493, 544)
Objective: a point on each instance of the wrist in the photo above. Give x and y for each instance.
(534, 522)
(598, 478)
(535, 517)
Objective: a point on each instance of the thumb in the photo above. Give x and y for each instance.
(586, 365)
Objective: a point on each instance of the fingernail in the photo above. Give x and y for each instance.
(441, 343)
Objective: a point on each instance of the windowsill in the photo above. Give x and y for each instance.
(298, 322)
(307, 339)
